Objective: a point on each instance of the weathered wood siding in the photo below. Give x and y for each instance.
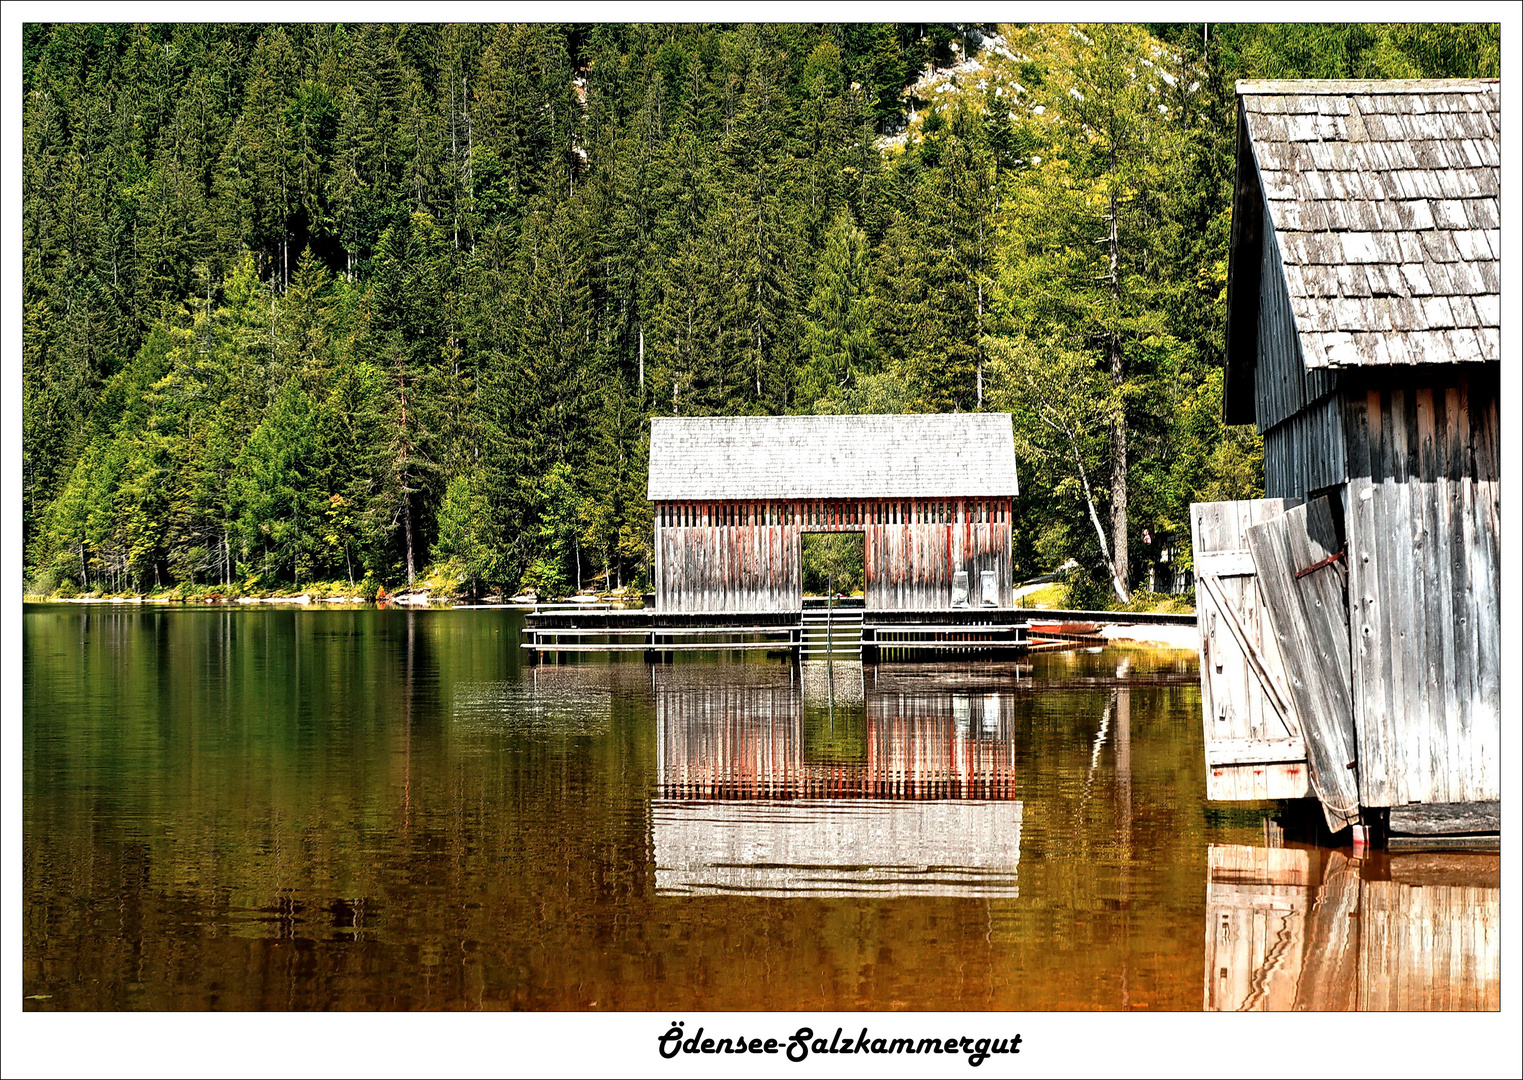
(728, 556)
(1282, 384)
(1306, 453)
(1254, 748)
(1310, 622)
(1296, 408)
(746, 556)
(1422, 520)
(1278, 374)
(913, 549)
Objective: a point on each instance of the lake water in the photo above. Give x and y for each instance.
(386, 809)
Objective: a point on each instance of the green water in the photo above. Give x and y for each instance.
(377, 809)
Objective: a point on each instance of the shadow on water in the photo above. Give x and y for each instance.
(363, 809)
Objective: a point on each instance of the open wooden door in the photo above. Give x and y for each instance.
(1254, 747)
(1300, 572)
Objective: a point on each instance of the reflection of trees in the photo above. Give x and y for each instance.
(277, 804)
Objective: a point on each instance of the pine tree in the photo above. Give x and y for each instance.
(840, 338)
(276, 491)
(340, 301)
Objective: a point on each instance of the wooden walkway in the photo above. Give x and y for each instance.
(815, 633)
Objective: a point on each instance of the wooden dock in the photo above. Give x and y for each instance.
(813, 633)
(846, 633)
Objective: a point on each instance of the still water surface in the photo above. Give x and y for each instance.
(363, 809)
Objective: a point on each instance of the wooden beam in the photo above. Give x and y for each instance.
(1254, 751)
(1437, 819)
(1325, 87)
(1224, 564)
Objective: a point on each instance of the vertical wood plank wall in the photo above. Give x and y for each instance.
(1306, 453)
(1278, 376)
(1282, 384)
(745, 556)
(1422, 518)
(1297, 410)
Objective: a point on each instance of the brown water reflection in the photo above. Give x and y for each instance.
(802, 783)
(1312, 929)
(384, 809)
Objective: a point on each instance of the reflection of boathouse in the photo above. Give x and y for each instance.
(737, 741)
(763, 791)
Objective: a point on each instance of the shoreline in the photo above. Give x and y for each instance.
(415, 600)
(1183, 638)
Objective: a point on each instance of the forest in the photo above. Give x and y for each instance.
(382, 304)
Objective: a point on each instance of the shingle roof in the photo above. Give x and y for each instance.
(1384, 199)
(831, 457)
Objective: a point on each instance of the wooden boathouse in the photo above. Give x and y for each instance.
(1350, 621)
(931, 497)
(734, 496)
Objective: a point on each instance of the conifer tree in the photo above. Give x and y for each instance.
(840, 328)
(340, 302)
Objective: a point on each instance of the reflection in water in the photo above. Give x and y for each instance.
(829, 683)
(1310, 929)
(365, 809)
(820, 787)
(838, 847)
(551, 700)
(760, 737)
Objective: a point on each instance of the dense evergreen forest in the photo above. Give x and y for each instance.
(370, 303)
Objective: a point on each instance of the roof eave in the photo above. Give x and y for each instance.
(1243, 262)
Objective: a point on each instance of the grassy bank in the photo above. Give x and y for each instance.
(1056, 595)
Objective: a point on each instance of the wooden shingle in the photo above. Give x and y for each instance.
(831, 457)
(1379, 191)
